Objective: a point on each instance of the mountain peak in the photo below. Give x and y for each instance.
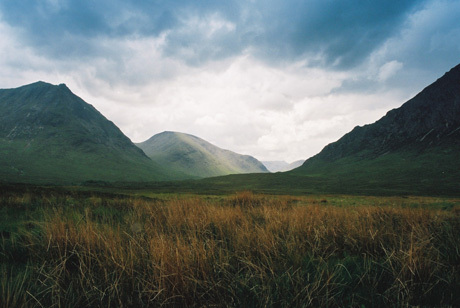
(42, 85)
(427, 120)
(194, 156)
(415, 144)
(49, 133)
(37, 84)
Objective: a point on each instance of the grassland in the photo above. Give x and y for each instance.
(83, 249)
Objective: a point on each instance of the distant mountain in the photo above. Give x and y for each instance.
(197, 157)
(295, 164)
(49, 135)
(412, 148)
(281, 165)
(275, 165)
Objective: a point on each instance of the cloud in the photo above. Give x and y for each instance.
(247, 107)
(343, 33)
(338, 34)
(427, 44)
(389, 69)
(275, 79)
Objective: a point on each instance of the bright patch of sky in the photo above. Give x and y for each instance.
(277, 79)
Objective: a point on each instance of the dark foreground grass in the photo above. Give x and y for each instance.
(243, 250)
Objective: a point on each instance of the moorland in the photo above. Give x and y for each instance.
(68, 247)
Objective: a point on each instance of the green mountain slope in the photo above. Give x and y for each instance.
(414, 148)
(49, 135)
(197, 157)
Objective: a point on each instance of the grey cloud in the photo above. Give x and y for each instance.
(342, 32)
(427, 45)
(431, 40)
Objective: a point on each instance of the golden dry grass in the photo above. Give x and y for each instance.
(242, 251)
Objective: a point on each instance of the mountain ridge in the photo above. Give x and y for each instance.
(197, 157)
(48, 134)
(408, 123)
(415, 147)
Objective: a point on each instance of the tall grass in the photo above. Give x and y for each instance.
(242, 251)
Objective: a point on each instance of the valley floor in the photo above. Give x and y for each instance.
(63, 248)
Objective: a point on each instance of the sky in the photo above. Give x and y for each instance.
(275, 79)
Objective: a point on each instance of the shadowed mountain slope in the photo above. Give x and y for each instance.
(413, 148)
(197, 157)
(49, 135)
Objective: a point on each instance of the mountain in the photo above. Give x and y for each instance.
(275, 165)
(281, 165)
(197, 157)
(295, 164)
(414, 148)
(49, 135)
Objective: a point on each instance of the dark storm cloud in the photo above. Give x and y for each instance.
(338, 33)
(63, 27)
(344, 32)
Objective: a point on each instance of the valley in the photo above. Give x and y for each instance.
(186, 154)
(50, 136)
(90, 219)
